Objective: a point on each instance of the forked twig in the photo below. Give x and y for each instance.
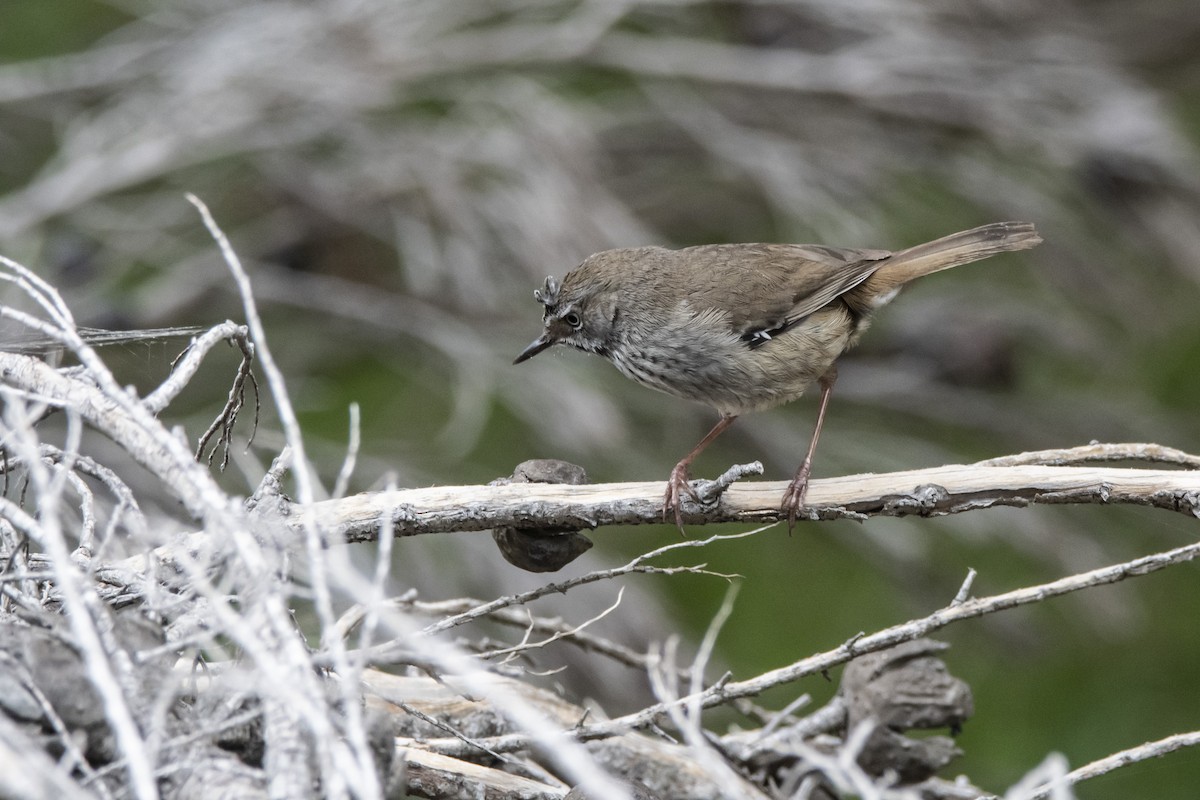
(224, 422)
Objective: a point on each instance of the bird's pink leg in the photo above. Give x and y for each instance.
(793, 496)
(678, 485)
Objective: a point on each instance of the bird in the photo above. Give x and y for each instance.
(741, 327)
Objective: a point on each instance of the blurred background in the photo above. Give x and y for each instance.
(399, 176)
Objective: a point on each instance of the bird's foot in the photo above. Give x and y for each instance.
(793, 496)
(678, 485)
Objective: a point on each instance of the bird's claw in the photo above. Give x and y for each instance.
(678, 485)
(793, 496)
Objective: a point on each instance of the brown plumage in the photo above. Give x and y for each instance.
(741, 327)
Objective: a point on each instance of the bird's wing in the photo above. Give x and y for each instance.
(776, 285)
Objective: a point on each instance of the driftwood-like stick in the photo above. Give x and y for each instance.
(924, 492)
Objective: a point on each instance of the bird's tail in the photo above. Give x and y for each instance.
(951, 251)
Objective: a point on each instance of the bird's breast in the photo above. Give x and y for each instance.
(698, 356)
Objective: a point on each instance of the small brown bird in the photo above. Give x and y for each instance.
(741, 327)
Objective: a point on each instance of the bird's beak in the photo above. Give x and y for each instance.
(536, 346)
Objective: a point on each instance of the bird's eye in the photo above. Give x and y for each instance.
(572, 319)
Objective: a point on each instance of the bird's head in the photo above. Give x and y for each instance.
(576, 314)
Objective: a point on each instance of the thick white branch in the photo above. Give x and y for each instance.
(924, 492)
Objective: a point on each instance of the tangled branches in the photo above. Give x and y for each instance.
(145, 655)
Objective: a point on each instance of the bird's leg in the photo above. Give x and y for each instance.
(793, 496)
(678, 483)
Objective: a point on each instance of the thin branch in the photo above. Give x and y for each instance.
(566, 633)
(359, 770)
(1124, 758)
(223, 424)
(352, 447)
(1097, 451)
(104, 666)
(555, 627)
(275, 378)
(638, 564)
(402, 650)
(450, 729)
(724, 692)
(915, 629)
(687, 717)
(964, 591)
(188, 362)
(120, 417)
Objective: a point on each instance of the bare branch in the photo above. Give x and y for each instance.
(108, 668)
(568, 633)
(556, 628)
(223, 424)
(144, 439)
(637, 565)
(723, 692)
(189, 361)
(432, 775)
(929, 492)
(351, 458)
(1124, 758)
(1097, 451)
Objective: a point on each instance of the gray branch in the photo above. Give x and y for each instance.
(926, 492)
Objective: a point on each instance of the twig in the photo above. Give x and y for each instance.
(1097, 451)
(352, 446)
(119, 416)
(1105, 765)
(567, 633)
(322, 729)
(401, 651)
(964, 591)
(100, 654)
(686, 717)
(783, 715)
(555, 627)
(450, 729)
(100, 399)
(722, 693)
(636, 565)
(709, 491)
(186, 364)
(515, 618)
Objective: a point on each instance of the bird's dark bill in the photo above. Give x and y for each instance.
(536, 346)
